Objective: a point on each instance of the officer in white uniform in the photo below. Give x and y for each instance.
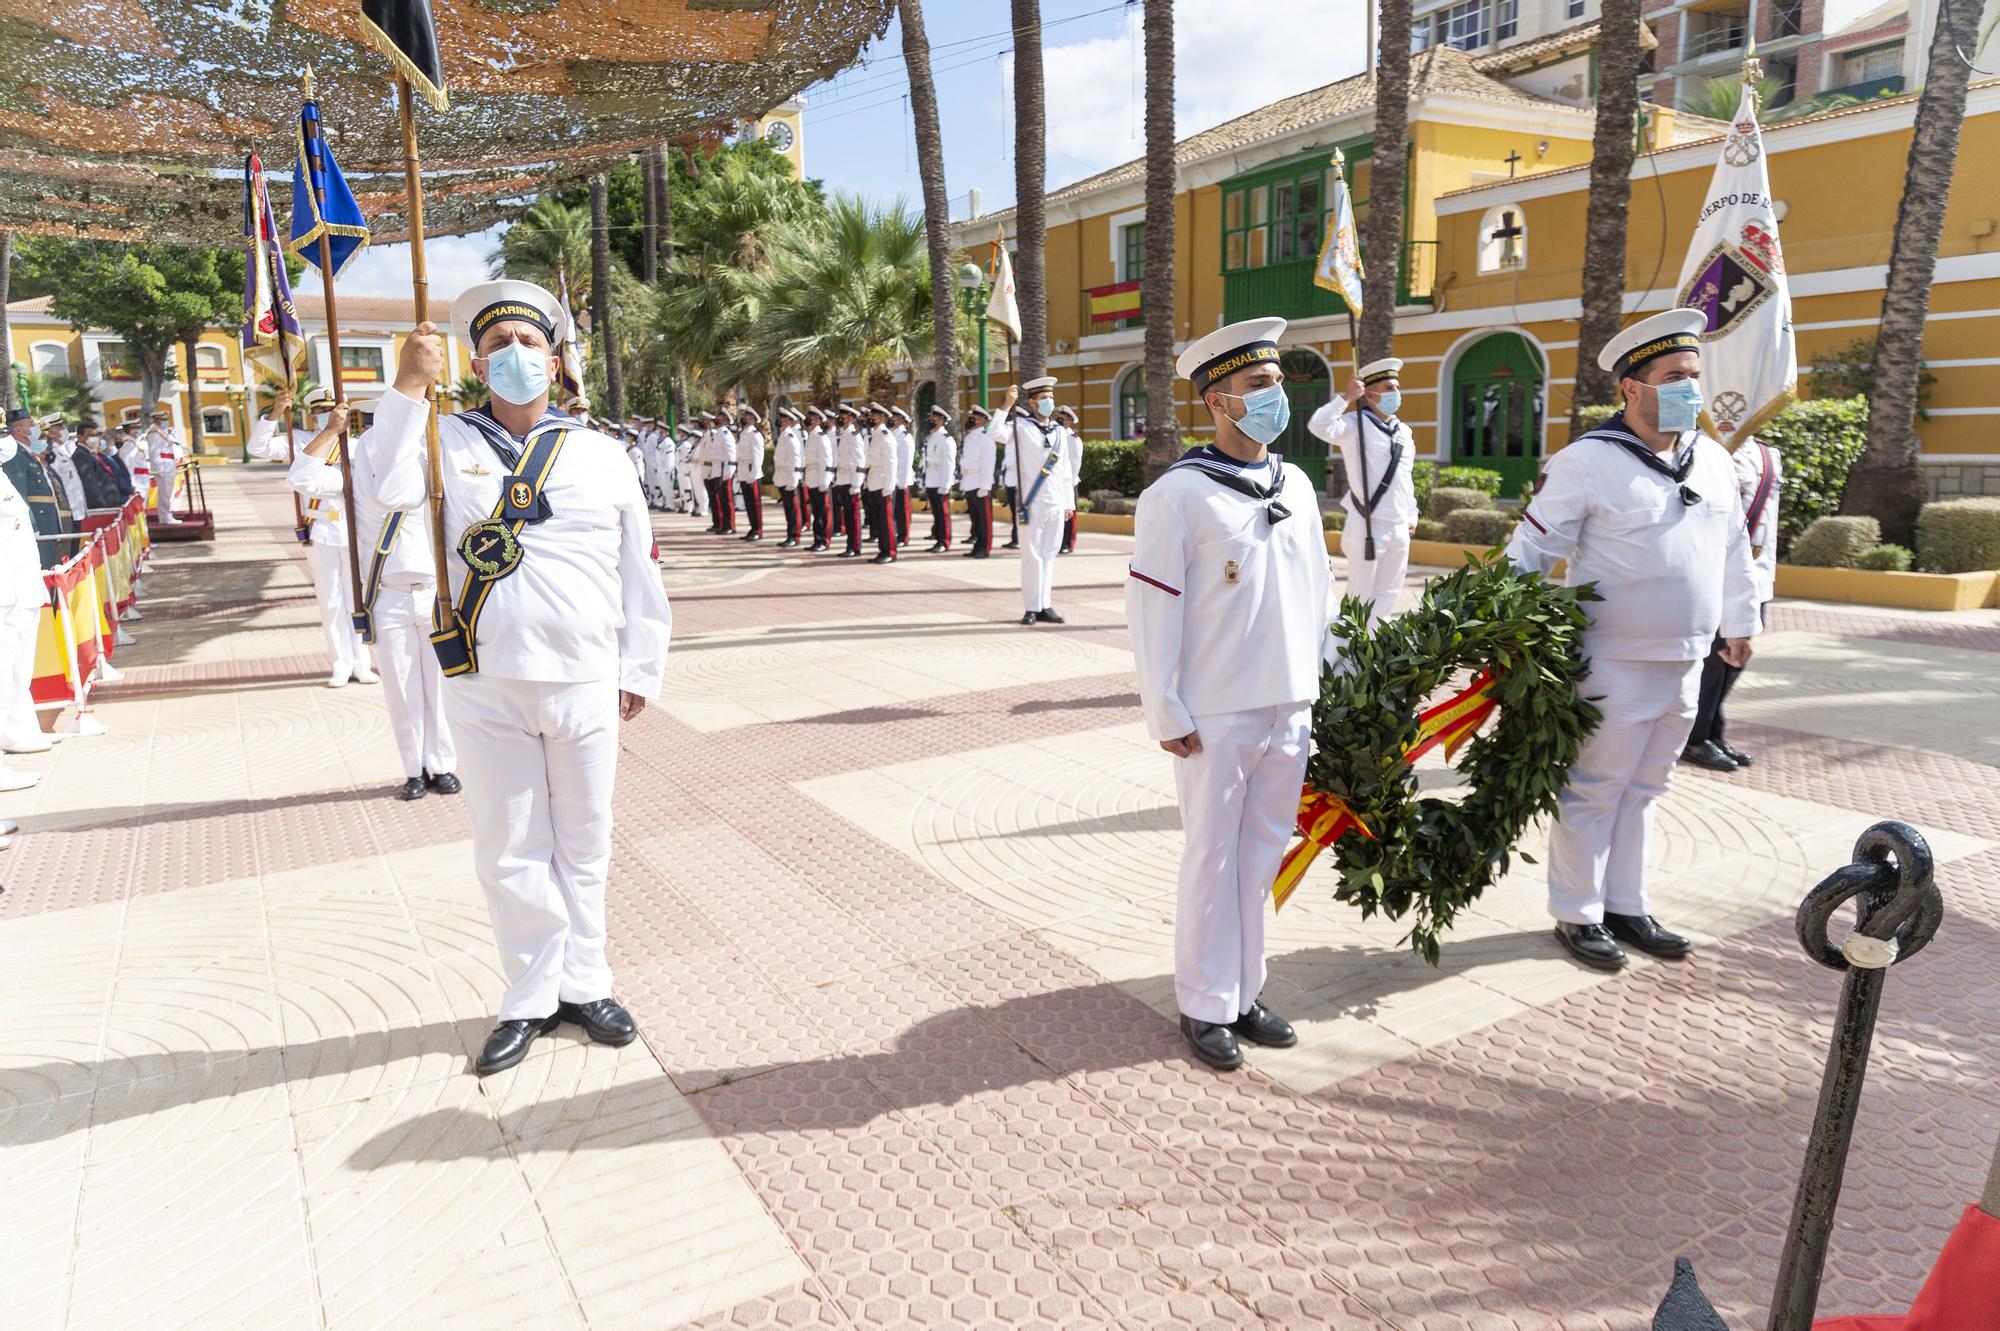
(788, 469)
(975, 481)
(317, 482)
(1759, 474)
(138, 460)
(567, 628)
(1003, 435)
(1378, 454)
(1073, 443)
(885, 471)
(163, 455)
(818, 479)
(1646, 507)
(1048, 492)
(750, 473)
(850, 469)
(694, 496)
(906, 472)
(940, 461)
(62, 463)
(1228, 599)
(23, 598)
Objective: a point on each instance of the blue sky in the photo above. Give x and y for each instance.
(1230, 58)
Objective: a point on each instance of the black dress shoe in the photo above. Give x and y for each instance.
(1011, 545)
(850, 554)
(754, 536)
(1050, 617)
(509, 1043)
(603, 1020)
(933, 549)
(446, 783)
(413, 789)
(1705, 754)
(1591, 944)
(1262, 1026)
(1734, 754)
(970, 554)
(785, 545)
(1212, 1044)
(1030, 619)
(1645, 933)
(883, 559)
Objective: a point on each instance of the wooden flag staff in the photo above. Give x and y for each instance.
(316, 178)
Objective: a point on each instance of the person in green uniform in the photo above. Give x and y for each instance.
(47, 507)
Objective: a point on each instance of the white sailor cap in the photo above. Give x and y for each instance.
(1066, 412)
(1651, 338)
(940, 413)
(1037, 385)
(876, 408)
(791, 413)
(977, 410)
(814, 411)
(318, 399)
(900, 414)
(848, 409)
(1375, 371)
(478, 308)
(1229, 349)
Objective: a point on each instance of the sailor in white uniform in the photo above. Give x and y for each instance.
(750, 472)
(850, 469)
(1760, 473)
(163, 454)
(566, 628)
(1047, 487)
(687, 456)
(885, 471)
(1378, 455)
(316, 480)
(138, 460)
(1645, 507)
(819, 479)
(906, 472)
(975, 480)
(1228, 599)
(788, 469)
(62, 463)
(940, 461)
(1072, 441)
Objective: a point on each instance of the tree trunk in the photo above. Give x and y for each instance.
(600, 302)
(1884, 482)
(663, 213)
(1030, 180)
(1156, 278)
(1382, 242)
(1613, 145)
(650, 225)
(937, 206)
(152, 368)
(191, 377)
(6, 334)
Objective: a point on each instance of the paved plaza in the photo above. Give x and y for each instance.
(892, 901)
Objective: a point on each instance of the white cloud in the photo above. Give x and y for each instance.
(1229, 59)
(455, 263)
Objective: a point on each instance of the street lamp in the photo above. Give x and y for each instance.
(972, 282)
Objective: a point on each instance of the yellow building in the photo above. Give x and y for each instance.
(372, 333)
(1488, 303)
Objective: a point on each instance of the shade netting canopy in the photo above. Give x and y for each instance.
(129, 119)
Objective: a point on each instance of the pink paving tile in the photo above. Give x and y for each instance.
(808, 1307)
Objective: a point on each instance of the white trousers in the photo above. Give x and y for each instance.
(20, 626)
(331, 584)
(163, 504)
(1597, 847)
(1378, 581)
(1041, 534)
(1239, 800)
(696, 492)
(538, 762)
(412, 683)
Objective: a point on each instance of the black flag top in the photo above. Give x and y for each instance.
(404, 31)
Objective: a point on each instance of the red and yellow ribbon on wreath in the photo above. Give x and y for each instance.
(1324, 819)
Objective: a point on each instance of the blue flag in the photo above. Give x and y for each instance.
(316, 177)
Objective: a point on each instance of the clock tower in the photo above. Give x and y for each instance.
(783, 128)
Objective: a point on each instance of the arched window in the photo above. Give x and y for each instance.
(1495, 412)
(1503, 239)
(50, 357)
(1128, 398)
(926, 398)
(1308, 386)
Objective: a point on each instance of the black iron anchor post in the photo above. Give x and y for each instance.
(1897, 910)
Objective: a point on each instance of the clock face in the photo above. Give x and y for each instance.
(779, 134)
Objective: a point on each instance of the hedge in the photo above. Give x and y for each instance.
(1479, 526)
(1113, 464)
(1424, 476)
(1333, 519)
(1884, 559)
(1447, 500)
(1430, 529)
(1959, 536)
(1836, 542)
(1482, 479)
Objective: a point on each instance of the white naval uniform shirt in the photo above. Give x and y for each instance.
(850, 458)
(586, 602)
(21, 581)
(818, 459)
(940, 460)
(411, 563)
(788, 458)
(1396, 514)
(1671, 574)
(975, 464)
(750, 456)
(1750, 457)
(62, 466)
(1036, 451)
(319, 483)
(884, 456)
(725, 452)
(709, 453)
(906, 458)
(1075, 445)
(1228, 610)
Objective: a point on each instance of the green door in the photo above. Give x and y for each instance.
(1496, 410)
(1307, 387)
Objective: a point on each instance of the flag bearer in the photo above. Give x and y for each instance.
(567, 629)
(1378, 453)
(885, 462)
(940, 460)
(1047, 487)
(975, 479)
(1228, 599)
(850, 468)
(818, 477)
(750, 473)
(1759, 472)
(1073, 445)
(1646, 507)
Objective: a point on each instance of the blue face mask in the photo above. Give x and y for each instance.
(1266, 413)
(1680, 405)
(1390, 399)
(1045, 407)
(517, 373)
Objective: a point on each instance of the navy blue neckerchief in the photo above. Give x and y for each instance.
(1614, 430)
(503, 443)
(1230, 474)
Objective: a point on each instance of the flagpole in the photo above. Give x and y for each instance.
(316, 179)
(1014, 442)
(273, 259)
(1354, 350)
(444, 615)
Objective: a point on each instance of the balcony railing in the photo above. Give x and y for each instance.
(1717, 38)
(1288, 291)
(1868, 88)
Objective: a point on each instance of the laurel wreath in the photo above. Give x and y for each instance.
(1430, 858)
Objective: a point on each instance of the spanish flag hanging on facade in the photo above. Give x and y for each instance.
(1339, 266)
(323, 207)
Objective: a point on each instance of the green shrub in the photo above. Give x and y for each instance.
(1112, 503)
(1430, 529)
(1482, 479)
(1884, 559)
(1849, 371)
(1112, 464)
(1333, 519)
(1479, 526)
(1592, 417)
(1085, 506)
(1446, 500)
(1817, 442)
(1836, 542)
(1959, 536)
(1423, 475)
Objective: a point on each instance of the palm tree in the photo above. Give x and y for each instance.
(1884, 482)
(469, 391)
(649, 227)
(1030, 179)
(1718, 99)
(550, 239)
(602, 327)
(1382, 236)
(1156, 276)
(42, 392)
(663, 214)
(1613, 145)
(937, 206)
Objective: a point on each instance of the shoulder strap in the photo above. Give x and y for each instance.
(536, 464)
(1766, 480)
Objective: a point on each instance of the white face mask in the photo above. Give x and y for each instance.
(8, 447)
